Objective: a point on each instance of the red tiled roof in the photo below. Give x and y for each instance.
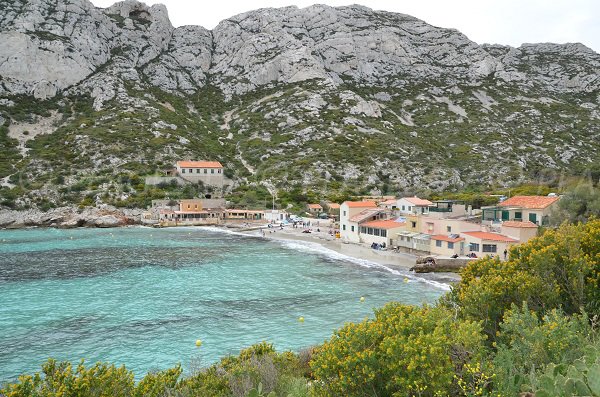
(417, 201)
(315, 206)
(360, 204)
(443, 237)
(333, 206)
(530, 202)
(387, 224)
(525, 224)
(199, 164)
(491, 236)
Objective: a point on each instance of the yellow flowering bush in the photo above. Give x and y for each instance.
(561, 268)
(403, 351)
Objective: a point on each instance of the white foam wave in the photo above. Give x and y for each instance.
(316, 248)
(321, 250)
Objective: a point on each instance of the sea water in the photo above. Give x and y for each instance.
(141, 297)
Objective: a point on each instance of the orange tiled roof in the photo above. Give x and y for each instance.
(530, 202)
(360, 204)
(333, 206)
(525, 224)
(389, 202)
(387, 224)
(491, 236)
(315, 206)
(417, 201)
(443, 237)
(199, 164)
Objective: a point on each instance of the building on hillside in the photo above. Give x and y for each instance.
(349, 209)
(210, 173)
(486, 243)
(535, 209)
(522, 231)
(413, 205)
(314, 209)
(380, 231)
(447, 244)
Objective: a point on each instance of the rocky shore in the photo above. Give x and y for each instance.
(70, 217)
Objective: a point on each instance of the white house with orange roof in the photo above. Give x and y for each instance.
(486, 243)
(413, 205)
(380, 231)
(314, 209)
(447, 244)
(209, 173)
(535, 209)
(348, 221)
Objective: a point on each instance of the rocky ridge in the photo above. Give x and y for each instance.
(320, 96)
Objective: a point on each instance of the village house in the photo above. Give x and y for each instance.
(348, 223)
(413, 205)
(447, 244)
(390, 204)
(210, 173)
(522, 231)
(486, 243)
(314, 209)
(380, 231)
(276, 216)
(193, 212)
(535, 209)
(233, 214)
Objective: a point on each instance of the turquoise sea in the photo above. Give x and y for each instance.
(142, 297)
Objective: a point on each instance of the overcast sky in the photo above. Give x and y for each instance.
(511, 22)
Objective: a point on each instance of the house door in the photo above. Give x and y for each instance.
(462, 248)
(505, 215)
(533, 218)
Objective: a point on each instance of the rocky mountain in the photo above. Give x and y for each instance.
(331, 99)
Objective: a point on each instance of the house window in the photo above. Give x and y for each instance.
(403, 208)
(343, 227)
(219, 170)
(489, 248)
(363, 229)
(212, 170)
(370, 231)
(450, 245)
(205, 171)
(474, 247)
(183, 170)
(384, 233)
(414, 224)
(533, 217)
(409, 208)
(438, 243)
(449, 229)
(197, 170)
(518, 216)
(191, 171)
(344, 213)
(376, 232)
(352, 228)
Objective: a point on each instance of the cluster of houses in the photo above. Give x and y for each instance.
(445, 228)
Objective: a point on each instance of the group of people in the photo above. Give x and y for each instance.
(377, 246)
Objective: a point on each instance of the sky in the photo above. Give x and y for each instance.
(511, 22)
